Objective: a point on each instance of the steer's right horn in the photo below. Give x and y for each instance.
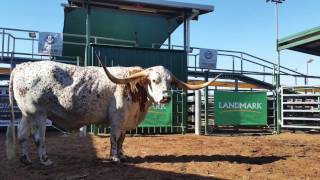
(121, 80)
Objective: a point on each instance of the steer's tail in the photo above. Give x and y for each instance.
(11, 135)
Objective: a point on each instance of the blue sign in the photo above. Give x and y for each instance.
(208, 58)
(50, 43)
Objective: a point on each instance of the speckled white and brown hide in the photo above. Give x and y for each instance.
(73, 96)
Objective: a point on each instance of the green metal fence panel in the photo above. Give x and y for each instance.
(240, 108)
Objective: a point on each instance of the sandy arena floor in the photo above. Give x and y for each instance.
(285, 156)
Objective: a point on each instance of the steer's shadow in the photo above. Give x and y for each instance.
(206, 158)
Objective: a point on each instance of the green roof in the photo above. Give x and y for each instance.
(152, 6)
(307, 42)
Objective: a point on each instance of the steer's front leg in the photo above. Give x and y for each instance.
(114, 149)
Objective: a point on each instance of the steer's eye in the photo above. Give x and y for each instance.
(155, 78)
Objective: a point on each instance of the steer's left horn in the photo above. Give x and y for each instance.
(183, 85)
(121, 80)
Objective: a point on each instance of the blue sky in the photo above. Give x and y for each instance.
(242, 25)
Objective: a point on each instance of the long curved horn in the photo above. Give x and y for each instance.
(183, 85)
(121, 80)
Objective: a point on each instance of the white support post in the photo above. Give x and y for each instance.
(197, 109)
(83, 131)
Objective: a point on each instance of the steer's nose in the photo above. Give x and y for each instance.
(165, 99)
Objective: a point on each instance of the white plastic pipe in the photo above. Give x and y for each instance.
(197, 110)
(83, 131)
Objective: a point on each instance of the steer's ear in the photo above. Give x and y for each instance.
(142, 80)
(175, 84)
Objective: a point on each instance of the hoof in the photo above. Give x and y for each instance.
(25, 160)
(48, 162)
(123, 157)
(115, 159)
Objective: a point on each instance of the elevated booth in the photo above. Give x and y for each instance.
(130, 33)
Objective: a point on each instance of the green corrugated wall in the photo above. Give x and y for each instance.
(173, 60)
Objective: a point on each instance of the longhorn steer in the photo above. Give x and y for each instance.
(73, 97)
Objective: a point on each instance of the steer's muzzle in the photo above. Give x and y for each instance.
(165, 99)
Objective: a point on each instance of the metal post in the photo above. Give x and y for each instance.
(87, 49)
(186, 48)
(92, 56)
(308, 62)
(241, 63)
(236, 81)
(184, 111)
(232, 64)
(307, 73)
(264, 73)
(87, 56)
(273, 75)
(206, 100)
(305, 80)
(169, 41)
(8, 46)
(274, 95)
(32, 51)
(274, 111)
(278, 73)
(184, 33)
(197, 112)
(195, 61)
(14, 45)
(188, 35)
(3, 31)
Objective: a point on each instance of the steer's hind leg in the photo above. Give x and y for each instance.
(38, 134)
(23, 136)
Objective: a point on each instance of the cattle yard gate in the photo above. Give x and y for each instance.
(300, 110)
(247, 83)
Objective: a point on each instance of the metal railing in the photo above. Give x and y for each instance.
(24, 43)
(241, 63)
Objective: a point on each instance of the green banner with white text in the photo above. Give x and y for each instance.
(240, 108)
(158, 116)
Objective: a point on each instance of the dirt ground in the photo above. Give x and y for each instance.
(285, 156)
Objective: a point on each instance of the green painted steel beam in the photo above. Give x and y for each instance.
(184, 112)
(307, 42)
(298, 42)
(299, 35)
